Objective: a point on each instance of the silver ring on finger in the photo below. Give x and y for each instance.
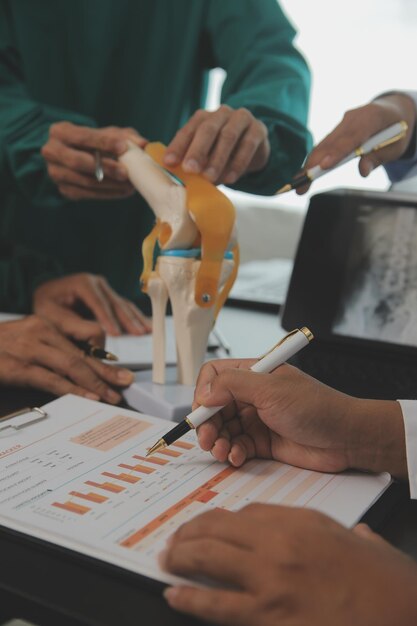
(99, 173)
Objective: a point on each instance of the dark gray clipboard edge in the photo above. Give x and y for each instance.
(55, 581)
(104, 566)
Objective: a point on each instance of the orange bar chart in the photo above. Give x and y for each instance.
(93, 497)
(138, 468)
(156, 460)
(107, 486)
(72, 507)
(127, 478)
(184, 445)
(206, 496)
(282, 481)
(302, 488)
(168, 452)
(202, 494)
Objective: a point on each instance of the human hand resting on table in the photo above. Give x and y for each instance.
(70, 159)
(33, 353)
(58, 301)
(287, 566)
(359, 125)
(290, 417)
(222, 144)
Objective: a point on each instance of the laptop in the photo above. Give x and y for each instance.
(261, 284)
(354, 283)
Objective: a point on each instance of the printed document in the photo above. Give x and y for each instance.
(79, 478)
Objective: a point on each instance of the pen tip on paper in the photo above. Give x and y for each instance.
(283, 189)
(157, 446)
(111, 357)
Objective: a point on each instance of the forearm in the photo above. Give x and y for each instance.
(24, 124)
(24, 129)
(21, 271)
(377, 437)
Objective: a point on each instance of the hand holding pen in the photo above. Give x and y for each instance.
(94, 351)
(281, 352)
(379, 132)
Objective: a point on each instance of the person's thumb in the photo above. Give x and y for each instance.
(368, 163)
(364, 531)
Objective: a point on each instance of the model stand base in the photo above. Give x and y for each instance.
(169, 401)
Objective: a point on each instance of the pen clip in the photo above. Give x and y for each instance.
(40, 415)
(388, 142)
(280, 342)
(360, 152)
(306, 331)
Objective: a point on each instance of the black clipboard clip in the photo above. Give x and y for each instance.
(24, 417)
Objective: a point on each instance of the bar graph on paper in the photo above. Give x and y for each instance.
(82, 480)
(148, 479)
(135, 502)
(123, 475)
(231, 488)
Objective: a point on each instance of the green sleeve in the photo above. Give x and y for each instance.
(24, 124)
(253, 41)
(21, 272)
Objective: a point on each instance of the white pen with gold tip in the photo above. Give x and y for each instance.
(281, 352)
(377, 142)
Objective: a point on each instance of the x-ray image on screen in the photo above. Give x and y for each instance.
(379, 295)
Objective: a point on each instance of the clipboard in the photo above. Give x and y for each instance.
(22, 418)
(82, 482)
(54, 576)
(80, 589)
(49, 585)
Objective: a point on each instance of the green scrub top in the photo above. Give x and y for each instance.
(138, 63)
(21, 271)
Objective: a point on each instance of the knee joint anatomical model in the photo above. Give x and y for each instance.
(198, 255)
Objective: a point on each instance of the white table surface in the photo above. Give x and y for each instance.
(249, 333)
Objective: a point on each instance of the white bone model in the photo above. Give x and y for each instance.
(198, 261)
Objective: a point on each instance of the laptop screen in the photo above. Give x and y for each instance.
(355, 272)
(379, 290)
